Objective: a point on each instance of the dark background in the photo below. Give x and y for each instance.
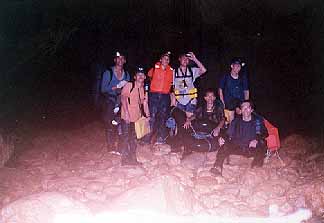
(48, 47)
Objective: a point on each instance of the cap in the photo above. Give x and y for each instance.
(237, 60)
(139, 70)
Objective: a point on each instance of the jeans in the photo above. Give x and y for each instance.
(230, 148)
(127, 141)
(159, 105)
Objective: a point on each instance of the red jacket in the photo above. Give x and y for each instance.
(161, 80)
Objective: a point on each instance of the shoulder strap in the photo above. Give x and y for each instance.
(191, 73)
(127, 75)
(176, 73)
(110, 75)
(132, 88)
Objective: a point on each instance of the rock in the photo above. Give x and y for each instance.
(42, 208)
(6, 148)
(144, 153)
(194, 160)
(173, 159)
(161, 150)
(206, 185)
(164, 194)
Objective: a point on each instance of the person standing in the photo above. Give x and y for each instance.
(113, 79)
(161, 76)
(185, 94)
(233, 88)
(134, 103)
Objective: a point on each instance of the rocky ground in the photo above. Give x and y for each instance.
(73, 170)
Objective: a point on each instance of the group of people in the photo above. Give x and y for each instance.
(171, 96)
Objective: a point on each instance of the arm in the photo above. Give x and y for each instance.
(202, 68)
(150, 73)
(246, 95)
(145, 105)
(124, 101)
(221, 96)
(216, 132)
(246, 88)
(105, 82)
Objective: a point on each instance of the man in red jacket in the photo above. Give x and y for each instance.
(161, 76)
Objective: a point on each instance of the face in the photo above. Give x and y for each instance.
(139, 77)
(210, 97)
(184, 61)
(246, 109)
(165, 60)
(236, 68)
(120, 61)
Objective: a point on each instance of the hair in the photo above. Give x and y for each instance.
(210, 90)
(248, 101)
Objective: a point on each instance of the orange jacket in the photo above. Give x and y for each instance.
(161, 80)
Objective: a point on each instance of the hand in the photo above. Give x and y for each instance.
(253, 143)
(187, 124)
(221, 141)
(114, 88)
(192, 56)
(215, 132)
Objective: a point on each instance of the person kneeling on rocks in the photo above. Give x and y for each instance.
(245, 136)
(209, 119)
(134, 105)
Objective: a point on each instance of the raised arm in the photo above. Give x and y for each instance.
(202, 68)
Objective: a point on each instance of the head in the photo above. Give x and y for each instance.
(247, 108)
(210, 96)
(236, 65)
(139, 75)
(183, 60)
(119, 59)
(165, 59)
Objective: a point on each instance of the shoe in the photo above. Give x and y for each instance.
(115, 153)
(186, 153)
(130, 162)
(216, 171)
(177, 149)
(159, 141)
(256, 165)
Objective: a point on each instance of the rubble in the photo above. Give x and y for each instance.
(6, 148)
(81, 170)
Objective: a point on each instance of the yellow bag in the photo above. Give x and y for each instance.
(142, 127)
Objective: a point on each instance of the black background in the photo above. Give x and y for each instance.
(47, 49)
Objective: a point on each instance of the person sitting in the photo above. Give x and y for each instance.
(245, 136)
(208, 119)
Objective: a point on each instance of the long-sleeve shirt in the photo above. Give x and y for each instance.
(109, 80)
(243, 132)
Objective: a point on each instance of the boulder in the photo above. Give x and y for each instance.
(43, 207)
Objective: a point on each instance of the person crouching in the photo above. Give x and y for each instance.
(245, 136)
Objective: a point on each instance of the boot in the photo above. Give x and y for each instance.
(216, 171)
